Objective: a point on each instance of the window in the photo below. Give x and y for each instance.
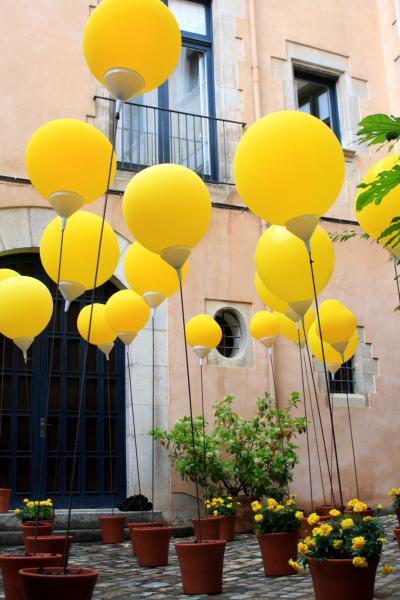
(343, 381)
(316, 95)
(232, 332)
(172, 123)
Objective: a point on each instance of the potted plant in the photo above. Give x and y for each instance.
(359, 508)
(201, 565)
(395, 494)
(307, 524)
(139, 525)
(152, 545)
(56, 582)
(277, 529)
(5, 494)
(37, 518)
(343, 555)
(226, 509)
(112, 528)
(49, 544)
(11, 564)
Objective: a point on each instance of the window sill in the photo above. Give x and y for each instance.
(348, 153)
(355, 400)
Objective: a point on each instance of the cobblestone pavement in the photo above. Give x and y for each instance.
(121, 578)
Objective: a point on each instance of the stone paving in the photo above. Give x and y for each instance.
(121, 578)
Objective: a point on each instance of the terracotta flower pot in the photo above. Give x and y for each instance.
(276, 550)
(5, 494)
(152, 546)
(227, 528)
(201, 565)
(140, 525)
(324, 509)
(396, 532)
(112, 529)
(365, 513)
(32, 531)
(11, 564)
(209, 528)
(51, 582)
(244, 514)
(48, 544)
(306, 529)
(339, 578)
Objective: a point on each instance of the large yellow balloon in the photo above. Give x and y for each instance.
(131, 46)
(26, 307)
(203, 334)
(101, 334)
(375, 218)
(288, 164)
(127, 313)
(79, 253)
(268, 298)
(283, 264)
(264, 327)
(338, 323)
(150, 276)
(289, 329)
(6, 273)
(68, 163)
(333, 358)
(168, 210)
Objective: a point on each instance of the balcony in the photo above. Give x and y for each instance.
(149, 135)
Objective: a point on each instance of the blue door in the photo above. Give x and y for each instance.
(100, 478)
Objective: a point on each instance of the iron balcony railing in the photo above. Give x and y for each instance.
(149, 135)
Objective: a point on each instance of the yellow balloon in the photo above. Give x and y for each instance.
(333, 357)
(288, 328)
(375, 218)
(167, 209)
(150, 276)
(283, 264)
(131, 46)
(288, 164)
(264, 326)
(337, 323)
(6, 273)
(127, 313)
(68, 161)
(101, 334)
(203, 334)
(268, 298)
(26, 307)
(79, 253)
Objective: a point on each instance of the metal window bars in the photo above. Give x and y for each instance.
(343, 381)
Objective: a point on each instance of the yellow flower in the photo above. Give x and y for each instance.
(17, 511)
(36, 503)
(379, 506)
(316, 531)
(313, 519)
(334, 512)
(338, 544)
(220, 500)
(229, 505)
(25, 500)
(368, 518)
(382, 540)
(360, 562)
(214, 503)
(302, 548)
(229, 498)
(293, 495)
(358, 543)
(290, 502)
(386, 569)
(299, 514)
(258, 518)
(271, 503)
(310, 542)
(295, 565)
(256, 506)
(360, 507)
(325, 529)
(352, 502)
(279, 507)
(215, 513)
(347, 523)
(30, 504)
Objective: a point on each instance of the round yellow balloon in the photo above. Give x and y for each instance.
(100, 330)
(68, 156)
(202, 330)
(79, 251)
(338, 323)
(288, 164)
(332, 356)
(268, 298)
(375, 218)
(138, 39)
(6, 273)
(127, 313)
(288, 328)
(264, 324)
(282, 262)
(166, 207)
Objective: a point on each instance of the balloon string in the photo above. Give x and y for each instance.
(204, 430)
(326, 380)
(314, 427)
(196, 471)
(153, 402)
(134, 432)
(352, 443)
(278, 410)
(85, 357)
(319, 418)
(396, 276)
(306, 418)
(109, 435)
(2, 382)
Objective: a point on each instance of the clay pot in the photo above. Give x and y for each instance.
(152, 546)
(30, 530)
(396, 532)
(5, 494)
(209, 528)
(11, 564)
(365, 513)
(112, 529)
(324, 509)
(48, 544)
(339, 578)
(245, 515)
(276, 550)
(52, 582)
(227, 528)
(140, 525)
(306, 529)
(201, 565)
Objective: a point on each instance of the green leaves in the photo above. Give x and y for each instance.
(392, 232)
(376, 190)
(379, 129)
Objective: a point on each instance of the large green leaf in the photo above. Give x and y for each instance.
(376, 190)
(379, 129)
